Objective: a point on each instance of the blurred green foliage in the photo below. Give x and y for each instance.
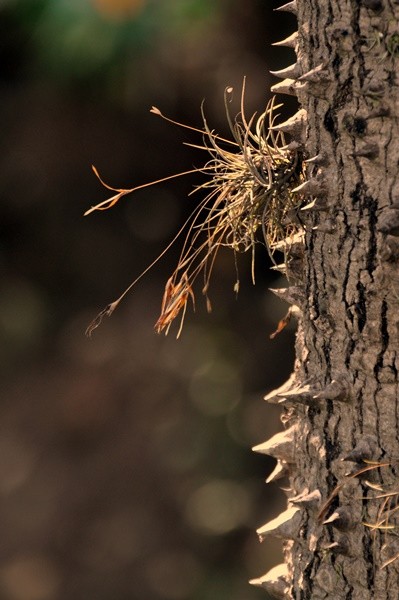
(75, 39)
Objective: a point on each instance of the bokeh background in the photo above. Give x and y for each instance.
(126, 469)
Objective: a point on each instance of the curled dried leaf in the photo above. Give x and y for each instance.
(174, 301)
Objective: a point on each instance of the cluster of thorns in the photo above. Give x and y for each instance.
(248, 185)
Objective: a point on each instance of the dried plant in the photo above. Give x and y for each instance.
(387, 517)
(248, 191)
(388, 508)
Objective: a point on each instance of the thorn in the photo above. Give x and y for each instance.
(311, 187)
(290, 42)
(341, 546)
(275, 581)
(302, 395)
(289, 7)
(319, 205)
(314, 82)
(317, 75)
(295, 125)
(388, 222)
(292, 146)
(293, 243)
(285, 526)
(326, 226)
(370, 151)
(293, 72)
(308, 499)
(280, 470)
(364, 450)
(335, 390)
(274, 396)
(287, 86)
(341, 519)
(293, 295)
(280, 446)
(319, 160)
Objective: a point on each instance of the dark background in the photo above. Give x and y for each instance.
(126, 469)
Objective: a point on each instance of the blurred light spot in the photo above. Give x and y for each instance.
(114, 542)
(173, 575)
(218, 507)
(195, 346)
(33, 578)
(179, 444)
(19, 168)
(86, 402)
(216, 388)
(22, 313)
(16, 464)
(259, 558)
(235, 424)
(254, 421)
(119, 9)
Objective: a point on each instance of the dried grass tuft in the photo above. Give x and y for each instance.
(247, 201)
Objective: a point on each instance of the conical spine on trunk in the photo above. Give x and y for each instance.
(287, 87)
(274, 396)
(285, 526)
(280, 470)
(281, 445)
(295, 125)
(292, 295)
(312, 187)
(308, 500)
(319, 160)
(289, 42)
(293, 72)
(274, 581)
(291, 7)
(341, 518)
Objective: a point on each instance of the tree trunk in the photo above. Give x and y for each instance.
(340, 408)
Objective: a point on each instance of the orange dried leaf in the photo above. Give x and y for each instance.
(174, 300)
(281, 325)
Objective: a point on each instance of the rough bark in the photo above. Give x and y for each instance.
(341, 405)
